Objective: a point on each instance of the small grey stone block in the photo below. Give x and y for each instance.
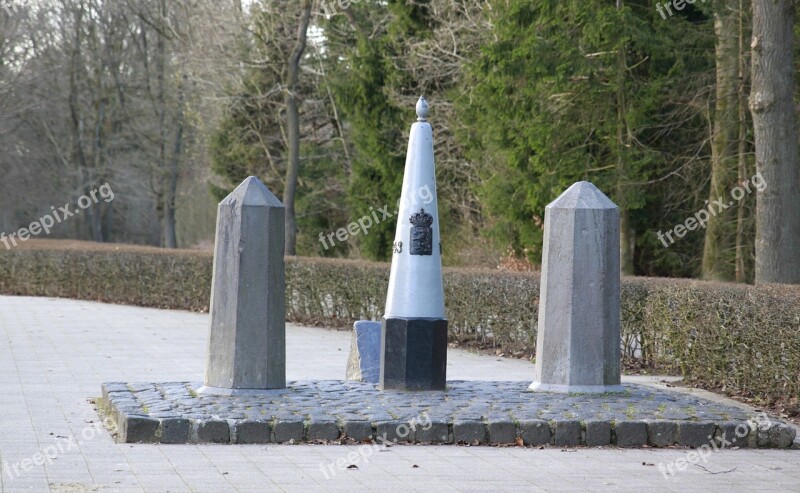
(115, 387)
(394, 431)
(175, 430)
(568, 433)
(288, 430)
(213, 431)
(776, 435)
(253, 432)
(695, 434)
(364, 363)
(141, 386)
(502, 432)
(597, 433)
(124, 405)
(358, 430)
(662, 433)
(535, 432)
(468, 431)
(630, 433)
(138, 429)
(437, 432)
(726, 435)
(323, 430)
(751, 438)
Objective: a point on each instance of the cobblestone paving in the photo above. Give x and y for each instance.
(467, 412)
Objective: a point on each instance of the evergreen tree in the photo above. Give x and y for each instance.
(570, 91)
(364, 83)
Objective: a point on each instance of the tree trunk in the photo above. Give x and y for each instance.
(741, 217)
(108, 220)
(627, 235)
(627, 241)
(718, 248)
(775, 126)
(77, 127)
(161, 62)
(293, 124)
(94, 214)
(171, 178)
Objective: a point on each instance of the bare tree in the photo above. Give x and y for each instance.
(96, 91)
(775, 125)
(293, 125)
(718, 249)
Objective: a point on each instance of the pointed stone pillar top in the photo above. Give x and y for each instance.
(252, 192)
(582, 195)
(422, 109)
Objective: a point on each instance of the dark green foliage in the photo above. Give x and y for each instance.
(377, 130)
(378, 126)
(538, 94)
(377, 79)
(580, 90)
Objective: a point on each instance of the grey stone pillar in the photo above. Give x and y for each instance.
(247, 345)
(578, 344)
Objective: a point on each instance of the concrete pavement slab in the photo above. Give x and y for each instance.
(47, 343)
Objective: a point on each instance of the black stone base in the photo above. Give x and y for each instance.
(413, 353)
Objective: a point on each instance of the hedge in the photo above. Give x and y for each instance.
(737, 338)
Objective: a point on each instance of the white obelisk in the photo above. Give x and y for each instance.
(414, 328)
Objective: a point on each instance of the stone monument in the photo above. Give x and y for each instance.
(414, 328)
(578, 344)
(247, 344)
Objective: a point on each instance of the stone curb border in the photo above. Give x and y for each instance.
(138, 427)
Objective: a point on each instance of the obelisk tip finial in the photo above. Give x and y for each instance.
(422, 109)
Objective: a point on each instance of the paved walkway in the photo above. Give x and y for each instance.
(54, 354)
